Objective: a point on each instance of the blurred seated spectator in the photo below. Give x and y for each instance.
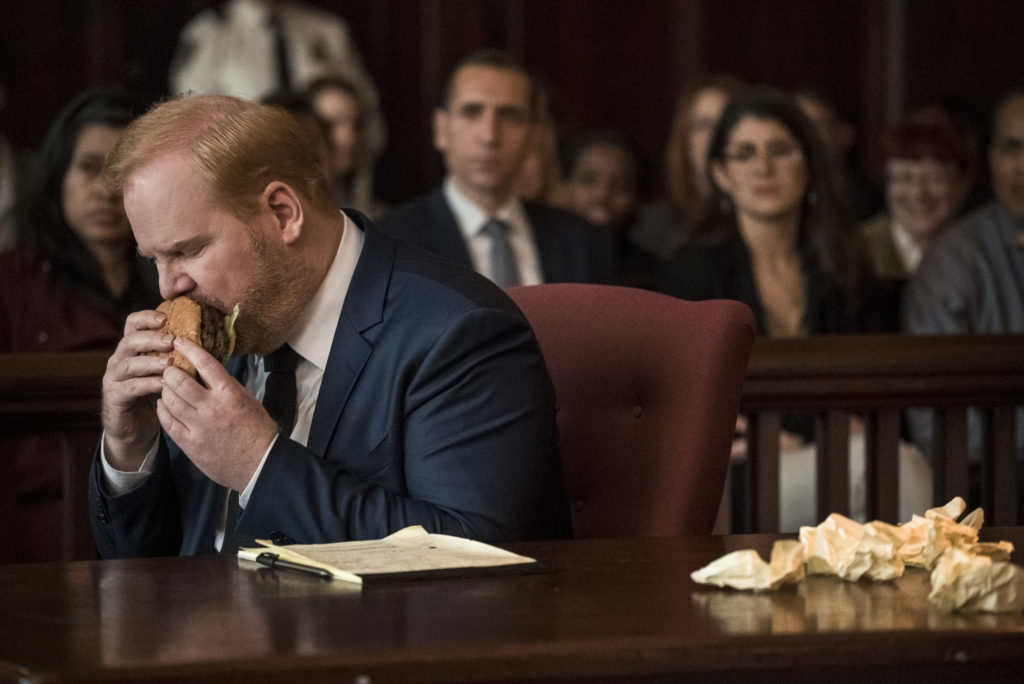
(540, 176)
(15, 168)
(777, 239)
(839, 136)
(251, 48)
(313, 127)
(606, 175)
(355, 131)
(483, 127)
(963, 124)
(927, 177)
(68, 285)
(664, 225)
(971, 280)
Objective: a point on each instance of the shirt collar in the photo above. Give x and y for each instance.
(314, 332)
(471, 218)
(910, 252)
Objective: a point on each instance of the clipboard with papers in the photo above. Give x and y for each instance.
(410, 553)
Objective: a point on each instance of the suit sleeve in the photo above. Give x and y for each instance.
(143, 522)
(938, 298)
(473, 439)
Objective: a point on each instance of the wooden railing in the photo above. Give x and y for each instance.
(875, 377)
(57, 394)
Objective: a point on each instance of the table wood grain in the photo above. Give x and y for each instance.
(601, 610)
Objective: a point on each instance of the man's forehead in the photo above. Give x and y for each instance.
(157, 175)
(1009, 120)
(485, 83)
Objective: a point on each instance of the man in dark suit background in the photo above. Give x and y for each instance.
(484, 128)
(421, 397)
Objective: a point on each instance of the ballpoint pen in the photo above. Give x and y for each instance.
(272, 560)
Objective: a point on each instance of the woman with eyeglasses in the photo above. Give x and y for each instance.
(928, 174)
(776, 238)
(68, 285)
(778, 241)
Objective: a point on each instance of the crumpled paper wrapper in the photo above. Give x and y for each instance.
(746, 569)
(839, 546)
(970, 583)
(966, 575)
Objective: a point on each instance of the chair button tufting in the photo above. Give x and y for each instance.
(577, 505)
(638, 411)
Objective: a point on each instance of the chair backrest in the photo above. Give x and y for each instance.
(648, 388)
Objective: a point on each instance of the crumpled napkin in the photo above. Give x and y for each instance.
(966, 575)
(746, 569)
(839, 546)
(971, 583)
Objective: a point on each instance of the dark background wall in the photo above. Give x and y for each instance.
(609, 62)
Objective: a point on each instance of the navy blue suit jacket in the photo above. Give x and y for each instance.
(436, 410)
(570, 249)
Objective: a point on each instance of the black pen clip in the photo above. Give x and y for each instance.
(272, 560)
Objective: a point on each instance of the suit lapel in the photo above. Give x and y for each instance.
(445, 235)
(348, 357)
(364, 308)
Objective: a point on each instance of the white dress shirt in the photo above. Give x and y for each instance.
(471, 220)
(234, 51)
(311, 338)
(910, 252)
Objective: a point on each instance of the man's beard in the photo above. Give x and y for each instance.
(274, 300)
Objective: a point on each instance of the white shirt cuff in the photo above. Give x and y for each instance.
(243, 496)
(119, 482)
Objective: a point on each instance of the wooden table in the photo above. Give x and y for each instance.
(604, 610)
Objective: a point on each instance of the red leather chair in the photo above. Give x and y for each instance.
(648, 388)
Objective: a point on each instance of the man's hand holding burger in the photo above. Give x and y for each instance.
(133, 378)
(160, 356)
(222, 428)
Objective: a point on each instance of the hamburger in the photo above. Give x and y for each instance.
(202, 324)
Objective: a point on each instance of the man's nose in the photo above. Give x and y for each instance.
(174, 282)
(488, 127)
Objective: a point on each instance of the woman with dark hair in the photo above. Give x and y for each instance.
(357, 139)
(777, 235)
(778, 240)
(68, 285)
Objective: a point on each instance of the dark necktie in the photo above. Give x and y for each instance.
(280, 52)
(279, 398)
(504, 270)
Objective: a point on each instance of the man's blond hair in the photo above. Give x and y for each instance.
(236, 146)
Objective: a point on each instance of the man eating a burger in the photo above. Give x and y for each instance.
(420, 395)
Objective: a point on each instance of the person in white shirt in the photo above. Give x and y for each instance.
(251, 48)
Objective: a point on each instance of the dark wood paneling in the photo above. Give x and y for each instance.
(611, 63)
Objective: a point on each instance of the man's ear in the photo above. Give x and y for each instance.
(440, 129)
(284, 204)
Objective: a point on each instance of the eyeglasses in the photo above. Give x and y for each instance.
(745, 155)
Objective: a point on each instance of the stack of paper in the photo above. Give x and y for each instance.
(410, 552)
